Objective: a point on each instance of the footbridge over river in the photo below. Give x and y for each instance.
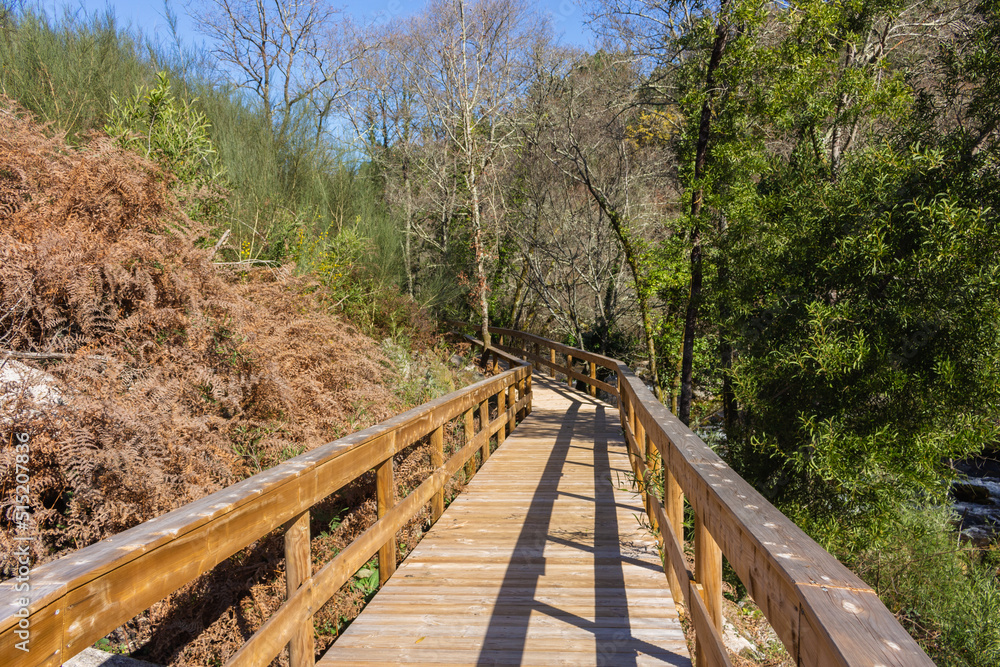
(541, 560)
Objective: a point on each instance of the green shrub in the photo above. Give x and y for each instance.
(945, 593)
(154, 123)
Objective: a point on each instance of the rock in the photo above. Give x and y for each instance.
(970, 493)
(91, 657)
(456, 360)
(978, 536)
(17, 378)
(737, 643)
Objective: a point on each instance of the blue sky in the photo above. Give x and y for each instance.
(566, 15)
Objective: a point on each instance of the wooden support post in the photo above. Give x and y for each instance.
(644, 482)
(385, 495)
(552, 358)
(623, 413)
(298, 572)
(484, 423)
(437, 460)
(708, 573)
(636, 467)
(470, 432)
(512, 403)
(673, 507)
(530, 393)
(653, 475)
(593, 376)
(569, 366)
(501, 408)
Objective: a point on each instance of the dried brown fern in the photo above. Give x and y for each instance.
(209, 380)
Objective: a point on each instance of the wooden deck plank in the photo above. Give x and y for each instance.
(541, 560)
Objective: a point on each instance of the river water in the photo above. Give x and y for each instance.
(977, 499)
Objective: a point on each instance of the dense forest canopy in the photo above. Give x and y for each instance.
(781, 213)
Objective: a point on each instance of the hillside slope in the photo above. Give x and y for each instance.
(175, 377)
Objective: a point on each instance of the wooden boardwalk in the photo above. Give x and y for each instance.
(540, 561)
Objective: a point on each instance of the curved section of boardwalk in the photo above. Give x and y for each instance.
(540, 561)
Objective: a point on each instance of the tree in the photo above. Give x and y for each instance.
(468, 64)
(592, 128)
(668, 38)
(292, 55)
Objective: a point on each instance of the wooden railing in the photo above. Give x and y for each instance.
(823, 612)
(76, 600)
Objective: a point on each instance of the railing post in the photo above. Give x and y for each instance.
(673, 507)
(640, 444)
(530, 394)
(437, 460)
(298, 572)
(708, 573)
(470, 433)
(501, 408)
(512, 403)
(552, 359)
(385, 495)
(654, 467)
(569, 367)
(623, 413)
(484, 424)
(633, 426)
(593, 376)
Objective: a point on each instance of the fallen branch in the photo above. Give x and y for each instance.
(10, 354)
(219, 243)
(248, 262)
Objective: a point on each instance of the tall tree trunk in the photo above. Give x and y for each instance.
(697, 201)
(632, 259)
(477, 243)
(725, 345)
(408, 251)
(520, 294)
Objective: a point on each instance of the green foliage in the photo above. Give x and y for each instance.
(82, 73)
(946, 594)
(173, 133)
(154, 123)
(68, 70)
(869, 321)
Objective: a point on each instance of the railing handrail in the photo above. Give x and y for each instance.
(823, 613)
(77, 599)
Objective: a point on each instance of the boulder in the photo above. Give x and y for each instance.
(970, 493)
(18, 379)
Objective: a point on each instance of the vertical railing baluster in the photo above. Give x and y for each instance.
(708, 573)
(654, 465)
(569, 368)
(645, 470)
(298, 572)
(470, 433)
(501, 408)
(512, 403)
(552, 359)
(385, 496)
(673, 507)
(635, 458)
(437, 460)
(484, 423)
(593, 376)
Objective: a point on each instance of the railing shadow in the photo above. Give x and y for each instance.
(614, 641)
